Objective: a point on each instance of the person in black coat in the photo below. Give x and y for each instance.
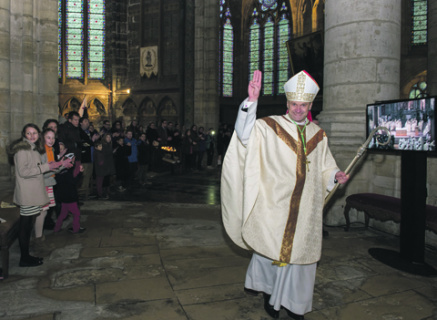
(121, 161)
(67, 192)
(143, 159)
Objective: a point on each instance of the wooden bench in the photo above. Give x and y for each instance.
(383, 208)
(8, 232)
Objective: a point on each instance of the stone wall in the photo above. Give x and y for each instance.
(28, 68)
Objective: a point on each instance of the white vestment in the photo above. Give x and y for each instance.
(272, 197)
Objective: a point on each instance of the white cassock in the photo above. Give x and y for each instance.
(273, 188)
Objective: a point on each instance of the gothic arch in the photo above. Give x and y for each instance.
(95, 111)
(167, 110)
(146, 112)
(130, 111)
(72, 104)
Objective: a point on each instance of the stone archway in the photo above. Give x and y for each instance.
(72, 104)
(130, 111)
(147, 112)
(95, 112)
(167, 110)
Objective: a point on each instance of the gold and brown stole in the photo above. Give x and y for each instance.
(297, 147)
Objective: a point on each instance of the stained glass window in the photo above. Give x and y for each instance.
(96, 39)
(74, 39)
(269, 30)
(283, 65)
(81, 38)
(419, 26)
(226, 51)
(60, 21)
(254, 45)
(268, 36)
(418, 90)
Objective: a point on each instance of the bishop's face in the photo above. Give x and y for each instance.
(298, 110)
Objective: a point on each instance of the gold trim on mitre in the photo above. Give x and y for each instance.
(301, 87)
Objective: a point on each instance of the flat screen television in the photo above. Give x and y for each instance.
(411, 124)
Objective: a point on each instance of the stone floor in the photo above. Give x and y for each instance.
(161, 253)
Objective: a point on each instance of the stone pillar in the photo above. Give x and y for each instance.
(206, 101)
(5, 84)
(432, 91)
(362, 65)
(28, 68)
(432, 48)
(46, 78)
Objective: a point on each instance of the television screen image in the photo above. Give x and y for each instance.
(411, 124)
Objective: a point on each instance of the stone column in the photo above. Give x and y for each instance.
(362, 65)
(5, 85)
(206, 102)
(432, 48)
(47, 66)
(432, 91)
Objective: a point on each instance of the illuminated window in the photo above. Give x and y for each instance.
(81, 39)
(226, 39)
(254, 43)
(419, 12)
(268, 35)
(418, 90)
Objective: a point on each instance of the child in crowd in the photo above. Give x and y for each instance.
(143, 159)
(109, 160)
(48, 136)
(67, 189)
(121, 154)
(103, 166)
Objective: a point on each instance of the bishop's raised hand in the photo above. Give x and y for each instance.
(254, 87)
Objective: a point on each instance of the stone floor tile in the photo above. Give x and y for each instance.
(143, 271)
(135, 290)
(117, 251)
(127, 241)
(211, 293)
(206, 263)
(193, 252)
(167, 309)
(189, 278)
(336, 293)
(86, 275)
(380, 285)
(241, 309)
(341, 270)
(82, 293)
(405, 305)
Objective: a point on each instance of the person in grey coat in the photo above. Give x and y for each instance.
(30, 194)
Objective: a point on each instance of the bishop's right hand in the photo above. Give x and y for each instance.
(254, 87)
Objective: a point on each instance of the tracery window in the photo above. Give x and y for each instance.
(418, 90)
(226, 39)
(269, 32)
(81, 39)
(419, 30)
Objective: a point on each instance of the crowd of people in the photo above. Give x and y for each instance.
(71, 161)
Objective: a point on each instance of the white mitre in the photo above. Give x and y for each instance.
(301, 87)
